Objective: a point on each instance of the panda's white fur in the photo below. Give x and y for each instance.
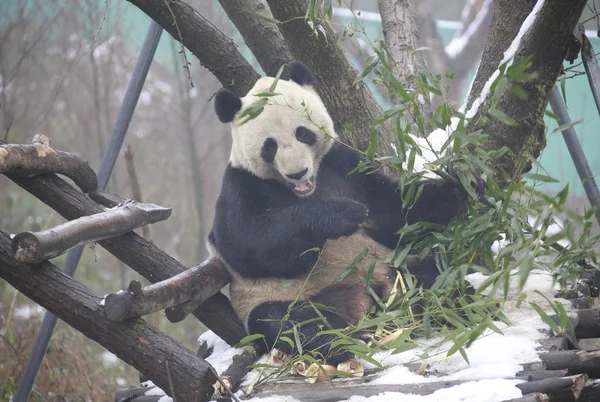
(293, 106)
(266, 218)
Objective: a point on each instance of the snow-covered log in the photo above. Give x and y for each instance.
(133, 342)
(39, 158)
(31, 248)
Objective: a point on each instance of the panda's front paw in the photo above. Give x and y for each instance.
(350, 215)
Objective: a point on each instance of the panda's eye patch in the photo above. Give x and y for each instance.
(269, 149)
(305, 135)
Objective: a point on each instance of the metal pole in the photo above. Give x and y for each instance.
(592, 69)
(106, 166)
(576, 151)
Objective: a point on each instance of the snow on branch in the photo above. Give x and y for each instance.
(540, 38)
(463, 52)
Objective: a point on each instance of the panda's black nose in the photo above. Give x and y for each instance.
(297, 176)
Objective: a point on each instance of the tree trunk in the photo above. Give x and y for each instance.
(545, 44)
(402, 37)
(506, 23)
(253, 19)
(214, 50)
(349, 105)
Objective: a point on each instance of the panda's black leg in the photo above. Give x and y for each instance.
(268, 320)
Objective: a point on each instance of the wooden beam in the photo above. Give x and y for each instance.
(155, 354)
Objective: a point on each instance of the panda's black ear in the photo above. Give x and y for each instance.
(301, 74)
(227, 104)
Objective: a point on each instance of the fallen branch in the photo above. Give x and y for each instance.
(236, 371)
(572, 385)
(536, 375)
(38, 158)
(32, 248)
(144, 257)
(133, 342)
(197, 283)
(537, 397)
(588, 324)
(576, 361)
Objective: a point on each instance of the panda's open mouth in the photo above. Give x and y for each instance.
(304, 187)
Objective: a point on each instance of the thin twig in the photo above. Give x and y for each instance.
(224, 384)
(101, 22)
(171, 387)
(187, 62)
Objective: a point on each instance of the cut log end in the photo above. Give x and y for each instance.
(26, 248)
(118, 305)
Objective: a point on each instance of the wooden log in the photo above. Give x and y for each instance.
(555, 343)
(134, 342)
(588, 324)
(144, 257)
(591, 392)
(591, 277)
(537, 397)
(576, 361)
(180, 312)
(38, 158)
(326, 392)
(573, 385)
(32, 248)
(536, 375)
(197, 283)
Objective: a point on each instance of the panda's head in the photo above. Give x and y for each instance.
(288, 139)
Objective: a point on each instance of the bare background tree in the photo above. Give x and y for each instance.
(64, 70)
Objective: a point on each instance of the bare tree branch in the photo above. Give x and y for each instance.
(144, 257)
(254, 21)
(463, 52)
(32, 248)
(212, 47)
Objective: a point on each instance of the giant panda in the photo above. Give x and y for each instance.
(290, 219)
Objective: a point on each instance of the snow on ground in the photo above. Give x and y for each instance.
(494, 358)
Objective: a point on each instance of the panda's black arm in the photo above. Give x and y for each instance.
(439, 202)
(274, 242)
